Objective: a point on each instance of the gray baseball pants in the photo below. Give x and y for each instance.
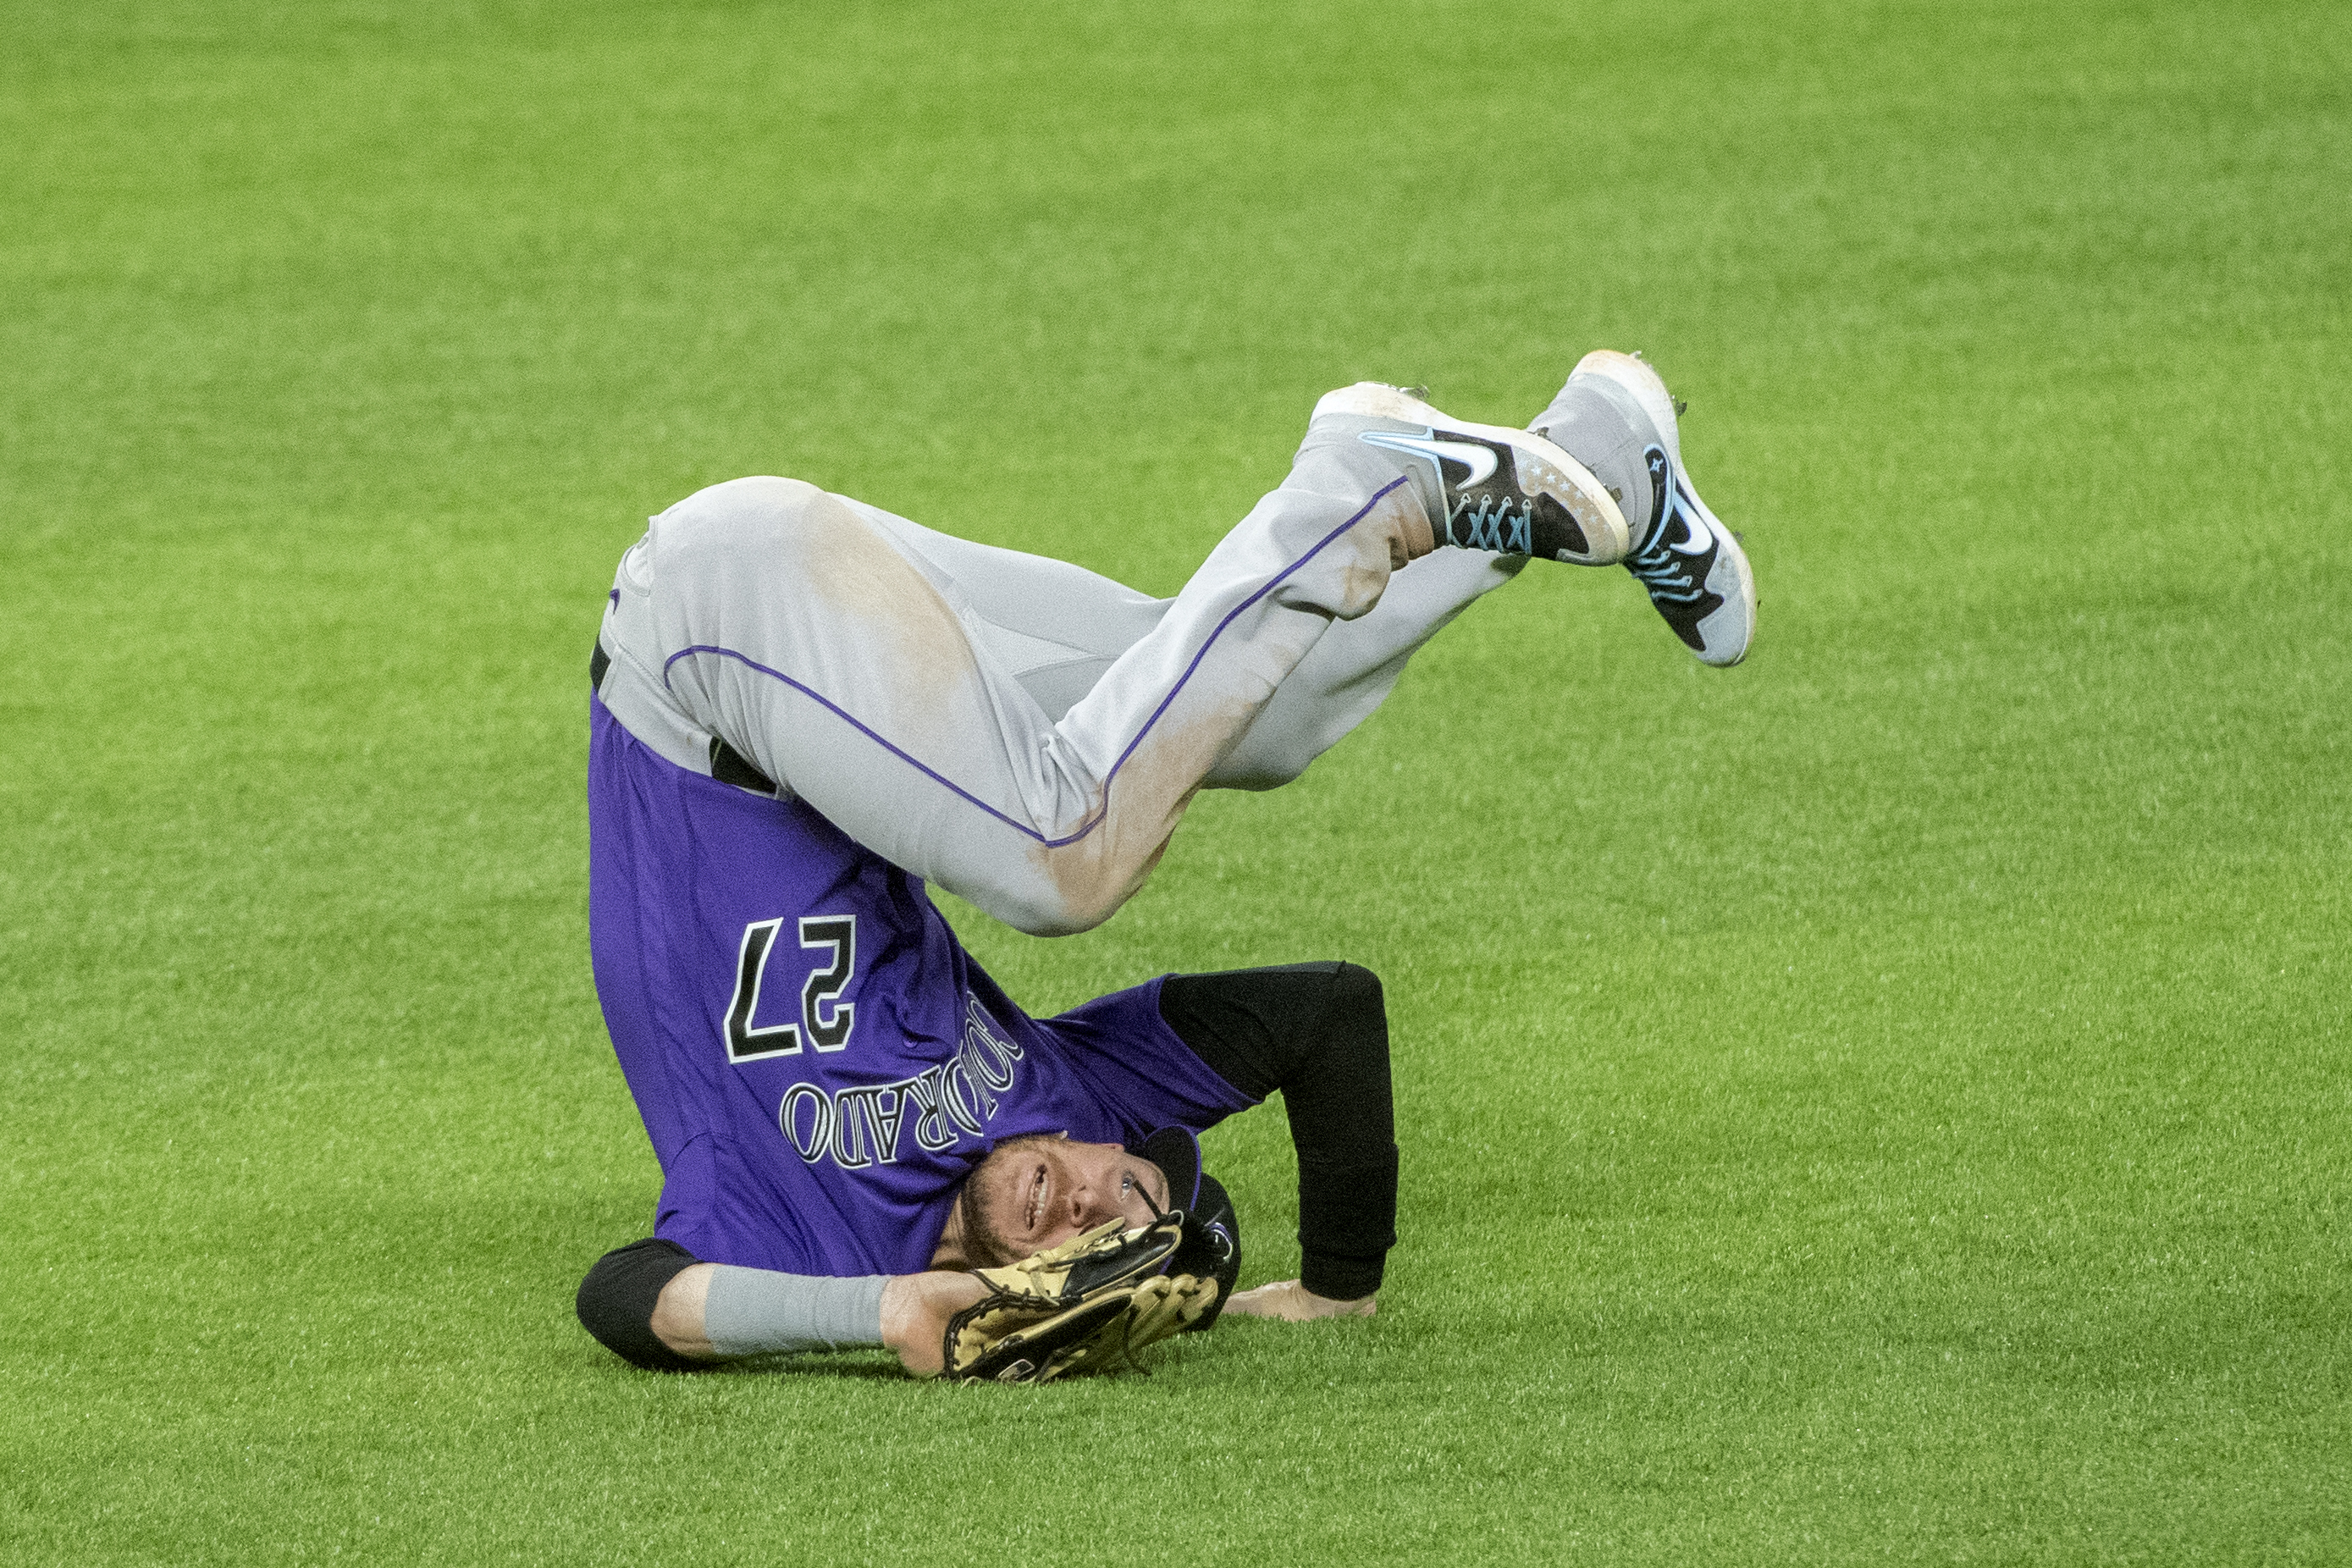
(1018, 729)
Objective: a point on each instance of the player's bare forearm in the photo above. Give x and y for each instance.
(1292, 1302)
(915, 1313)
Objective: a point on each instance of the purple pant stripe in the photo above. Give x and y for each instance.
(946, 783)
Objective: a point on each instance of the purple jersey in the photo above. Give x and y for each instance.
(818, 1062)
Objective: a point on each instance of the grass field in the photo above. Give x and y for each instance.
(1886, 1102)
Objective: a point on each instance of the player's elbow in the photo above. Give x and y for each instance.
(1356, 993)
(619, 1299)
(1357, 1020)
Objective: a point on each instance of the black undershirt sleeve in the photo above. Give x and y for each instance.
(616, 1302)
(1320, 1033)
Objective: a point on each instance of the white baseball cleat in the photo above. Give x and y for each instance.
(1696, 574)
(1510, 492)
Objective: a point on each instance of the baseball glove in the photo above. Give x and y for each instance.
(1087, 1305)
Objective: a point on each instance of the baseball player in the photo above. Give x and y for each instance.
(807, 708)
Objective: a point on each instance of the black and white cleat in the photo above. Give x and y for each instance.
(1697, 576)
(1513, 492)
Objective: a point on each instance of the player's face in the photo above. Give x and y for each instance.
(1039, 1192)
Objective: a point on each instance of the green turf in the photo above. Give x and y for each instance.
(1884, 1102)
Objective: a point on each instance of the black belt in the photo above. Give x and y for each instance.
(728, 765)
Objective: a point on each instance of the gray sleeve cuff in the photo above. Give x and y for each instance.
(749, 1310)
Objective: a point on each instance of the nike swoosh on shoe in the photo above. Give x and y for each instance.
(1478, 458)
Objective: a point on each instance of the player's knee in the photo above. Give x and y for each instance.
(1042, 920)
(727, 525)
(1079, 885)
(1069, 917)
(1047, 911)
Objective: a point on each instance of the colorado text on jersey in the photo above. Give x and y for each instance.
(860, 1126)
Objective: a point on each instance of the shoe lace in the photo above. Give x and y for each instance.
(1493, 522)
(1667, 573)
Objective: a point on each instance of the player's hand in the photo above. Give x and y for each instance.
(1294, 1303)
(915, 1313)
